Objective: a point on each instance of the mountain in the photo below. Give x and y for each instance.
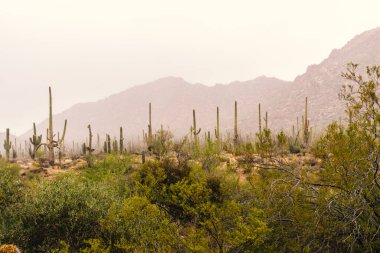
(173, 99)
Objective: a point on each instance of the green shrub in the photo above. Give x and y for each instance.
(67, 208)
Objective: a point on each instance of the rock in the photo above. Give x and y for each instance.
(67, 161)
(79, 164)
(171, 160)
(230, 159)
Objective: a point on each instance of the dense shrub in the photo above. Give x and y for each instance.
(67, 208)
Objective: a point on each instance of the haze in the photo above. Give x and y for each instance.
(87, 50)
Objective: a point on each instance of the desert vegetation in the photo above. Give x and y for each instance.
(288, 191)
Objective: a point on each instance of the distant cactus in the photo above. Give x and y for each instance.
(217, 129)
(260, 128)
(14, 153)
(115, 146)
(306, 131)
(194, 130)
(84, 149)
(35, 140)
(149, 138)
(108, 144)
(121, 140)
(236, 136)
(105, 147)
(98, 141)
(89, 147)
(7, 145)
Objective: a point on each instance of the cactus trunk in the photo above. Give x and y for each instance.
(51, 142)
(121, 140)
(7, 145)
(236, 126)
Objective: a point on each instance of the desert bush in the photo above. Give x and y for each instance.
(67, 208)
(10, 184)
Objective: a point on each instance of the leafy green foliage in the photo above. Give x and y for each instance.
(67, 208)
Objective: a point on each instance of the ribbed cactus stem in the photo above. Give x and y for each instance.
(105, 147)
(98, 141)
(36, 141)
(260, 129)
(195, 130)
(235, 125)
(84, 149)
(150, 131)
(89, 148)
(51, 143)
(115, 145)
(217, 133)
(121, 140)
(7, 144)
(306, 125)
(108, 143)
(51, 135)
(266, 120)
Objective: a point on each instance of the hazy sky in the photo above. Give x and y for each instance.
(88, 49)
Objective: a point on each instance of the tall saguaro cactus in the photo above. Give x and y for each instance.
(51, 142)
(306, 132)
(108, 144)
(260, 128)
(194, 130)
(35, 140)
(236, 126)
(150, 131)
(7, 145)
(217, 129)
(121, 140)
(89, 148)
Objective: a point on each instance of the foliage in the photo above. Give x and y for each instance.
(68, 209)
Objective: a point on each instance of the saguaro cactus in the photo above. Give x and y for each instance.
(194, 130)
(14, 150)
(105, 147)
(260, 128)
(217, 129)
(121, 140)
(236, 136)
(35, 140)
(150, 131)
(109, 143)
(84, 149)
(306, 132)
(115, 146)
(7, 145)
(89, 148)
(51, 142)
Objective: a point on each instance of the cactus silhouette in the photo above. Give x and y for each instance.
(236, 136)
(194, 130)
(51, 143)
(7, 145)
(36, 141)
(89, 147)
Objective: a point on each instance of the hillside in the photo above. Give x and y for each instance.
(173, 99)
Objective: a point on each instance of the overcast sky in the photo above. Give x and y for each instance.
(88, 49)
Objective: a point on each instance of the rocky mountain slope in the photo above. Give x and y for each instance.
(173, 99)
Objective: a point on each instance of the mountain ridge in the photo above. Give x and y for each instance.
(173, 99)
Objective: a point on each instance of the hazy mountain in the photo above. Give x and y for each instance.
(173, 99)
